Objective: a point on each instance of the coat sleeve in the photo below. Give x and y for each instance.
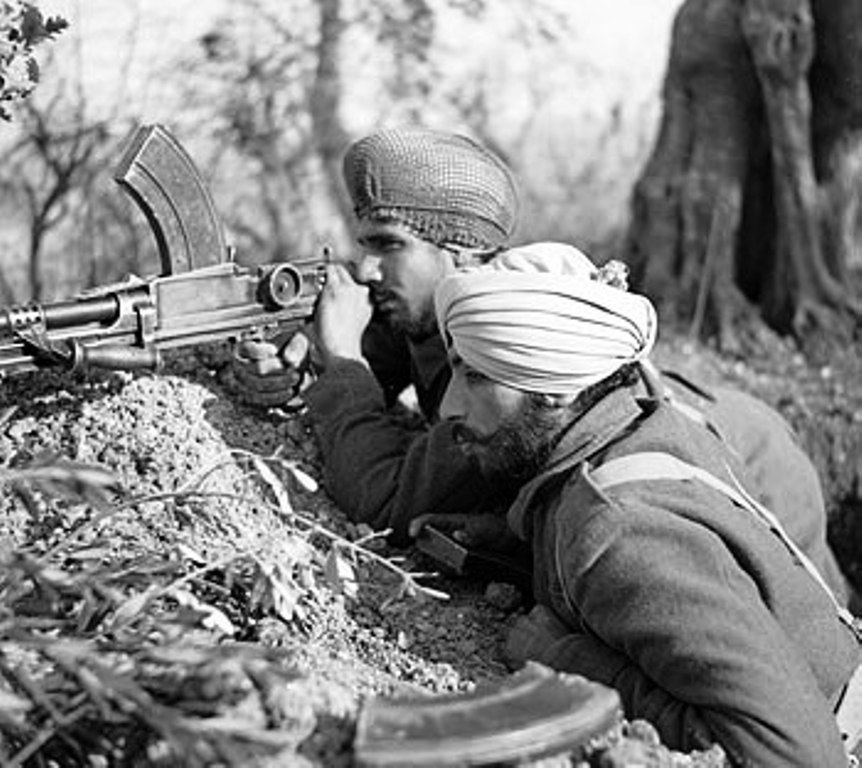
(379, 470)
(672, 620)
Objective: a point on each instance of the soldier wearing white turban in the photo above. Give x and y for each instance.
(538, 318)
(655, 572)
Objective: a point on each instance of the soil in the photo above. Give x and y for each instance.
(213, 513)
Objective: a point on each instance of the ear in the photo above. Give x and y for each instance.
(462, 257)
(559, 401)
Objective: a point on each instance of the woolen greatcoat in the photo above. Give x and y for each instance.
(688, 605)
(384, 473)
(379, 469)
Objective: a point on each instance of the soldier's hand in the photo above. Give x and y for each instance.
(343, 312)
(531, 635)
(271, 374)
(482, 530)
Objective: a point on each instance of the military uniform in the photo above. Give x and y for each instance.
(385, 474)
(686, 603)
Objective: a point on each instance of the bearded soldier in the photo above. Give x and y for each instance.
(429, 204)
(655, 571)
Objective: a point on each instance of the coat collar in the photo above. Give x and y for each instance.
(595, 430)
(429, 358)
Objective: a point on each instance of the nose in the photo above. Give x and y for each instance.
(368, 269)
(454, 402)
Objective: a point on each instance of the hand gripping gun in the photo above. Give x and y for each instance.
(201, 296)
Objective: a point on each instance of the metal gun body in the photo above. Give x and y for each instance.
(201, 296)
(127, 328)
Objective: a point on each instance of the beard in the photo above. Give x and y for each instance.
(520, 447)
(419, 324)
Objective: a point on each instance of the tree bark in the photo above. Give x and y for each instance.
(694, 180)
(780, 36)
(836, 80)
(836, 90)
(736, 152)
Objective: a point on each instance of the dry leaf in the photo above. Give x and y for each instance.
(275, 485)
(340, 574)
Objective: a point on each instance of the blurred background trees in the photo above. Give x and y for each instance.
(734, 197)
(267, 95)
(288, 80)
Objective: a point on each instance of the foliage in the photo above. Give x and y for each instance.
(49, 178)
(130, 656)
(293, 78)
(22, 29)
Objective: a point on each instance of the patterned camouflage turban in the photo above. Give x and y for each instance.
(446, 188)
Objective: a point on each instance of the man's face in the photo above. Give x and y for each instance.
(510, 432)
(402, 272)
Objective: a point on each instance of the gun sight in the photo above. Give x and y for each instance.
(282, 285)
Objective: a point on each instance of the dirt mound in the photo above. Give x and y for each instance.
(205, 577)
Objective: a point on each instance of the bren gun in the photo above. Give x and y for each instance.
(201, 296)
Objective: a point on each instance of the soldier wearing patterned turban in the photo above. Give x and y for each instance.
(427, 204)
(446, 188)
(655, 572)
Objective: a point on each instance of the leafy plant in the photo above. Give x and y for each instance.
(22, 29)
(129, 657)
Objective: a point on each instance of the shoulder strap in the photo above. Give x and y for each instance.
(657, 465)
(653, 381)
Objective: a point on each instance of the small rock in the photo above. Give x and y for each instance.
(504, 597)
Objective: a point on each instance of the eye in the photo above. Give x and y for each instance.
(389, 245)
(382, 243)
(474, 378)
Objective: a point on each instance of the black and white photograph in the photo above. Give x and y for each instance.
(431, 383)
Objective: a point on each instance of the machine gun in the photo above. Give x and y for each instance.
(201, 295)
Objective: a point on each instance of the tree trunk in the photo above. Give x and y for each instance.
(836, 91)
(728, 210)
(836, 79)
(330, 136)
(689, 196)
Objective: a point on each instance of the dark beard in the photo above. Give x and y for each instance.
(416, 328)
(520, 447)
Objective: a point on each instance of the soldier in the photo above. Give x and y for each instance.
(654, 571)
(429, 203)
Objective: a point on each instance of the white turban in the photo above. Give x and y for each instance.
(537, 319)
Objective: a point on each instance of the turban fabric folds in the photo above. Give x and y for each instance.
(536, 318)
(445, 187)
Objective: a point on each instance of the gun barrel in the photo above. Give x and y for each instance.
(64, 314)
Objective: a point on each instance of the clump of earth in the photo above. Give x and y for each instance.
(214, 511)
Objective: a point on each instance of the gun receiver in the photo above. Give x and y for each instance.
(201, 295)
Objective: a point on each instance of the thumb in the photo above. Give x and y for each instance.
(417, 524)
(259, 356)
(294, 352)
(250, 349)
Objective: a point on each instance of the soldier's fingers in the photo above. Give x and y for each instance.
(282, 380)
(269, 366)
(337, 274)
(267, 399)
(296, 350)
(248, 349)
(444, 523)
(417, 524)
